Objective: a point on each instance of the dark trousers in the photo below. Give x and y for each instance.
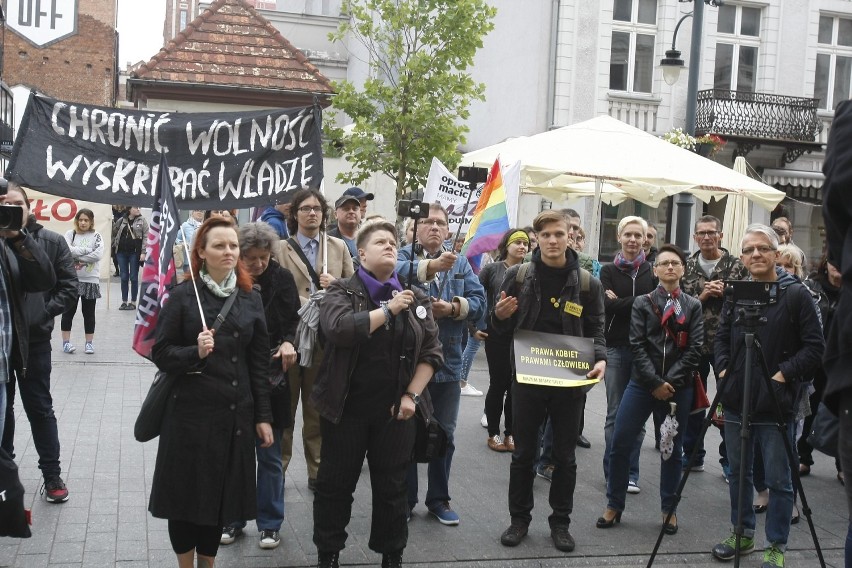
(498, 354)
(387, 444)
(38, 404)
(691, 440)
(88, 316)
(530, 404)
(844, 449)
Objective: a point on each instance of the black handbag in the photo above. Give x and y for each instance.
(825, 431)
(430, 440)
(14, 518)
(150, 419)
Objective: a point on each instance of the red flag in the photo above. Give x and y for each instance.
(159, 267)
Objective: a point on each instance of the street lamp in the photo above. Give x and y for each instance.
(672, 65)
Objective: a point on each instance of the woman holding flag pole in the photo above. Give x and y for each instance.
(205, 469)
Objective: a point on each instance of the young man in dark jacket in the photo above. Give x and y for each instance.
(35, 390)
(24, 269)
(550, 284)
(792, 345)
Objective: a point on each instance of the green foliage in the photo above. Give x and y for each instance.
(412, 105)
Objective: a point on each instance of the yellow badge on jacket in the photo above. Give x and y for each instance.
(573, 309)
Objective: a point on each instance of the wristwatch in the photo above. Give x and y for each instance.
(413, 396)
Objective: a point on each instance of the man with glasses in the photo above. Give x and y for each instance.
(706, 271)
(304, 254)
(792, 345)
(457, 300)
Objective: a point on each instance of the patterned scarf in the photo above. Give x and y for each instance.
(380, 292)
(673, 307)
(630, 267)
(223, 290)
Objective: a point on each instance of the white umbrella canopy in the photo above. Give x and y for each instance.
(736, 214)
(640, 165)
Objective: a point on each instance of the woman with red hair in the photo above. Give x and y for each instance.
(205, 470)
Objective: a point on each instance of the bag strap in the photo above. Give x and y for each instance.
(220, 319)
(314, 276)
(657, 311)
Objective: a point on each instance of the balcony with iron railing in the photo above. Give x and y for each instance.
(751, 120)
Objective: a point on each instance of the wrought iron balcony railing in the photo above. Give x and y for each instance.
(755, 119)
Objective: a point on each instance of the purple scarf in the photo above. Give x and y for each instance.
(379, 291)
(629, 266)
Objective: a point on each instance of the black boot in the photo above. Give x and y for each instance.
(328, 560)
(392, 559)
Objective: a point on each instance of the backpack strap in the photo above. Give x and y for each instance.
(298, 250)
(521, 274)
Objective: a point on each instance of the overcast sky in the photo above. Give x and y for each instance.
(140, 29)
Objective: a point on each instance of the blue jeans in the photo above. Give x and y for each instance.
(778, 477)
(128, 269)
(637, 405)
(2, 408)
(469, 354)
(38, 405)
(619, 367)
(691, 440)
(270, 486)
(445, 400)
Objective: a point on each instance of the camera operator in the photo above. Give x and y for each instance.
(42, 309)
(25, 269)
(792, 344)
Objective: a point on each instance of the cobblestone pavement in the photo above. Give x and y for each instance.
(105, 522)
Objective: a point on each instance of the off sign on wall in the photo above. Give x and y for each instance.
(42, 22)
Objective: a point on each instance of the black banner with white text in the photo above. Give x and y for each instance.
(216, 160)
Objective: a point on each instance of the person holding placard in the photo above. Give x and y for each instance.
(549, 295)
(666, 337)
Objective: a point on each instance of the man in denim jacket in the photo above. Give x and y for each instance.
(457, 298)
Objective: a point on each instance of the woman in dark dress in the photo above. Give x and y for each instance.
(205, 470)
(365, 400)
(281, 305)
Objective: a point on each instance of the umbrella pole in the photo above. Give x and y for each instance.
(594, 249)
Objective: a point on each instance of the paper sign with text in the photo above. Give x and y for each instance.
(553, 360)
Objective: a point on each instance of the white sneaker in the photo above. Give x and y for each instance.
(470, 390)
(89, 348)
(484, 421)
(67, 347)
(633, 487)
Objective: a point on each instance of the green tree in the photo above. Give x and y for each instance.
(413, 104)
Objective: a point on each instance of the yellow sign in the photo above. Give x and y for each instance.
(554, 360)
(573, 309)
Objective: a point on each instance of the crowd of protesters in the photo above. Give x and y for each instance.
(368, 335)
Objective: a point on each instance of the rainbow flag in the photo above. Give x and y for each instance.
(490, 219)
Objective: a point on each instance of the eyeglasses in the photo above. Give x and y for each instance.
(310, 209)
(763, 249)
(436, 222)
(667, 263)
(779, 231)
(580, 238)
(704, 234)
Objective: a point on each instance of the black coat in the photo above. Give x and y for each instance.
(618, 311)
(205, 471)
(837, 212)
(656, 356)
(43, 308)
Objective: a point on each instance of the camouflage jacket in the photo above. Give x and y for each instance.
(729, 267)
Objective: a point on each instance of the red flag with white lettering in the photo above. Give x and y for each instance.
(159, 268)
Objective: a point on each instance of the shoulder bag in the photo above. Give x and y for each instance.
(150, 418)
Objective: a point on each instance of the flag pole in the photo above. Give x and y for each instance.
(324, 234)
(192, 276)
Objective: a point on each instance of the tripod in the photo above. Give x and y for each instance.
(750, 318)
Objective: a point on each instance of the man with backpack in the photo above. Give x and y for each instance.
(551, 294)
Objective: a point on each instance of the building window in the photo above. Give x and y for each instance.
(737, 48)
(634, 29)
(834, 61)
(183, 22)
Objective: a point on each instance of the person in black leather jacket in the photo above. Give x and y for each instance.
(25, 269)
(42, 310)
(666, 336)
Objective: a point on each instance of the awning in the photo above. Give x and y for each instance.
(798, 184)
(794, 178)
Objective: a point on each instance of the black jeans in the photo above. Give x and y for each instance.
(38, 404)
(387, 443)
(530, 404)
(88, 316)
(498, 353)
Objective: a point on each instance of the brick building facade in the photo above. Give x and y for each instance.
(80, 68)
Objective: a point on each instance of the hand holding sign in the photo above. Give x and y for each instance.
(506, 306)
(443, 262)
(598, 371)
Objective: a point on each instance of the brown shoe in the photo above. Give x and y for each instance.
(510, 443)
(496, 444)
